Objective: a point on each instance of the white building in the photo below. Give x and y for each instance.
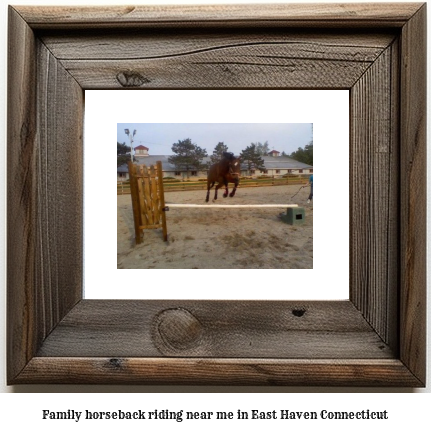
(275, 165)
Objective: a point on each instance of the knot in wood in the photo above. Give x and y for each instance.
(131, 79)
(178, 329)
(298, 312)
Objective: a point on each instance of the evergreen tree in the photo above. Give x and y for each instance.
(304, 155)
(217, 155)
(188, 156)
(262, 149)
(123, 154)
(252, 158)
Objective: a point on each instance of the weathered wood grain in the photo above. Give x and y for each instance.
(236, 329)
(270, 66)
(21, 197)
(373, 203)
(227, 60)
(392, 301)
(375, 338)
(45, 108)
(140, 44)
(197, 371)
(59, 183)
(413, 194)
(299, 14)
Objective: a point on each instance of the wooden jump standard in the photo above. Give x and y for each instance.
(148, 200)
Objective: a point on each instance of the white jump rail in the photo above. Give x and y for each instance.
(168, 205)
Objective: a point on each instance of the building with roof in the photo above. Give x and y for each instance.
(141, 151)
(275, 165)
(274, 153)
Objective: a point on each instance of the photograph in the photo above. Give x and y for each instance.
(234, 196)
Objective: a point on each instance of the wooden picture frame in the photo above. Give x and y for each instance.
(376, 338)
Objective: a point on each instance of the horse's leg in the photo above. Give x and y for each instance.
(234, 188)
(216, 190)
(226, 192)
(208, 193)
(209, 186)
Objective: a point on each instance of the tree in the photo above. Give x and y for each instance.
(252, 158)
(217, 155)
(123, 154)
(304, 155)
(188, 156)
(262, 149)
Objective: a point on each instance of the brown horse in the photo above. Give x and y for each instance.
(226, 171)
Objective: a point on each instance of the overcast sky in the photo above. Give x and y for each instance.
(159, 137)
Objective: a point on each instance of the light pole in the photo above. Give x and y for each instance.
(131, 141)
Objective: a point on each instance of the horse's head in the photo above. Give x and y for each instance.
(228, 156)
(235, 166)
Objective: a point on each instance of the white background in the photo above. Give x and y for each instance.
(329, 113)
(24, 410)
